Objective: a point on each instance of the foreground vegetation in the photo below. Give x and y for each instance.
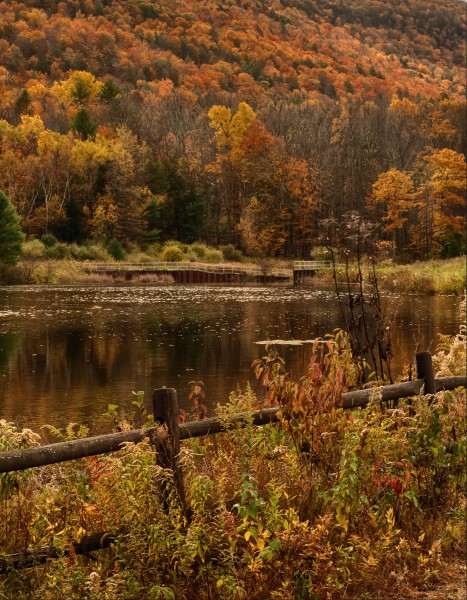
(327, 504)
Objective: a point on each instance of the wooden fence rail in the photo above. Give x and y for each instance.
(20, 459)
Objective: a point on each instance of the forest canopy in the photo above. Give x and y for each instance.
(241, 122)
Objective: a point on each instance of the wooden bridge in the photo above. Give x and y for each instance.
(304, 269)
(192, 272)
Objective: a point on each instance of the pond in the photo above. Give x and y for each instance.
(66, 353)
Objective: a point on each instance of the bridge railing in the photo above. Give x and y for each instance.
(185, 266)
(298, 265)
(311, 264)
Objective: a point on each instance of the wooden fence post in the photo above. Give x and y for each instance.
(165, 409)
(425, 371)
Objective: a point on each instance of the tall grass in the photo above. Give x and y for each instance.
(429, 277)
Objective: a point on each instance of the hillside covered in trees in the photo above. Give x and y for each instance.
(238, 122)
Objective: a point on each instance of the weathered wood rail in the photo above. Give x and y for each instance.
(38, 556)
(165, 407)
(304, 269)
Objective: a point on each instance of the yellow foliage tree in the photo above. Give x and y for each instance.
(393, 195)
(104, 219)
(230, 130)
(394, 190)
(78, 90)
(444, 194)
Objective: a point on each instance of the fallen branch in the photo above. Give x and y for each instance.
(32, 558)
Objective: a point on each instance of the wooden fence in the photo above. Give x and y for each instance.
(304, 269)
(166, 441)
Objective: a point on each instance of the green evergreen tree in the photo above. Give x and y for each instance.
(109, 91)
(189, 214)
(180, 214)
(81, 92)
(115, 249)
(156, 176)
(151, 214)
(184, 210)
(11, 236)
(83, 124)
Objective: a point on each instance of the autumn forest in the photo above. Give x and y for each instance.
(240, 122)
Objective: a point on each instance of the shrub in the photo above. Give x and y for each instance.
(231, 253)
(58, 251)
(140, 257)
(17, 275)
(171, 243)
(154, 250)
(115, 249)
(49, 240)
(213, 256)
(199, 250)
(172, 254)
(89, 252)
(33, 249)
(191, 256)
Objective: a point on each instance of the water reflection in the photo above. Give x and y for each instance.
(67, 352)
(9, 347)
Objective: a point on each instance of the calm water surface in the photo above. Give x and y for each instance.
(67, 352)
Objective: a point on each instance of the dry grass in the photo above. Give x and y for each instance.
(429, 277)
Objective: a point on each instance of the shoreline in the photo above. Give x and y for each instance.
(436, 277)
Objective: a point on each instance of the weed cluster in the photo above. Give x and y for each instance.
(451, 357)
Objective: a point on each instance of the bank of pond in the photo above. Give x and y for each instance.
(446, 276)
